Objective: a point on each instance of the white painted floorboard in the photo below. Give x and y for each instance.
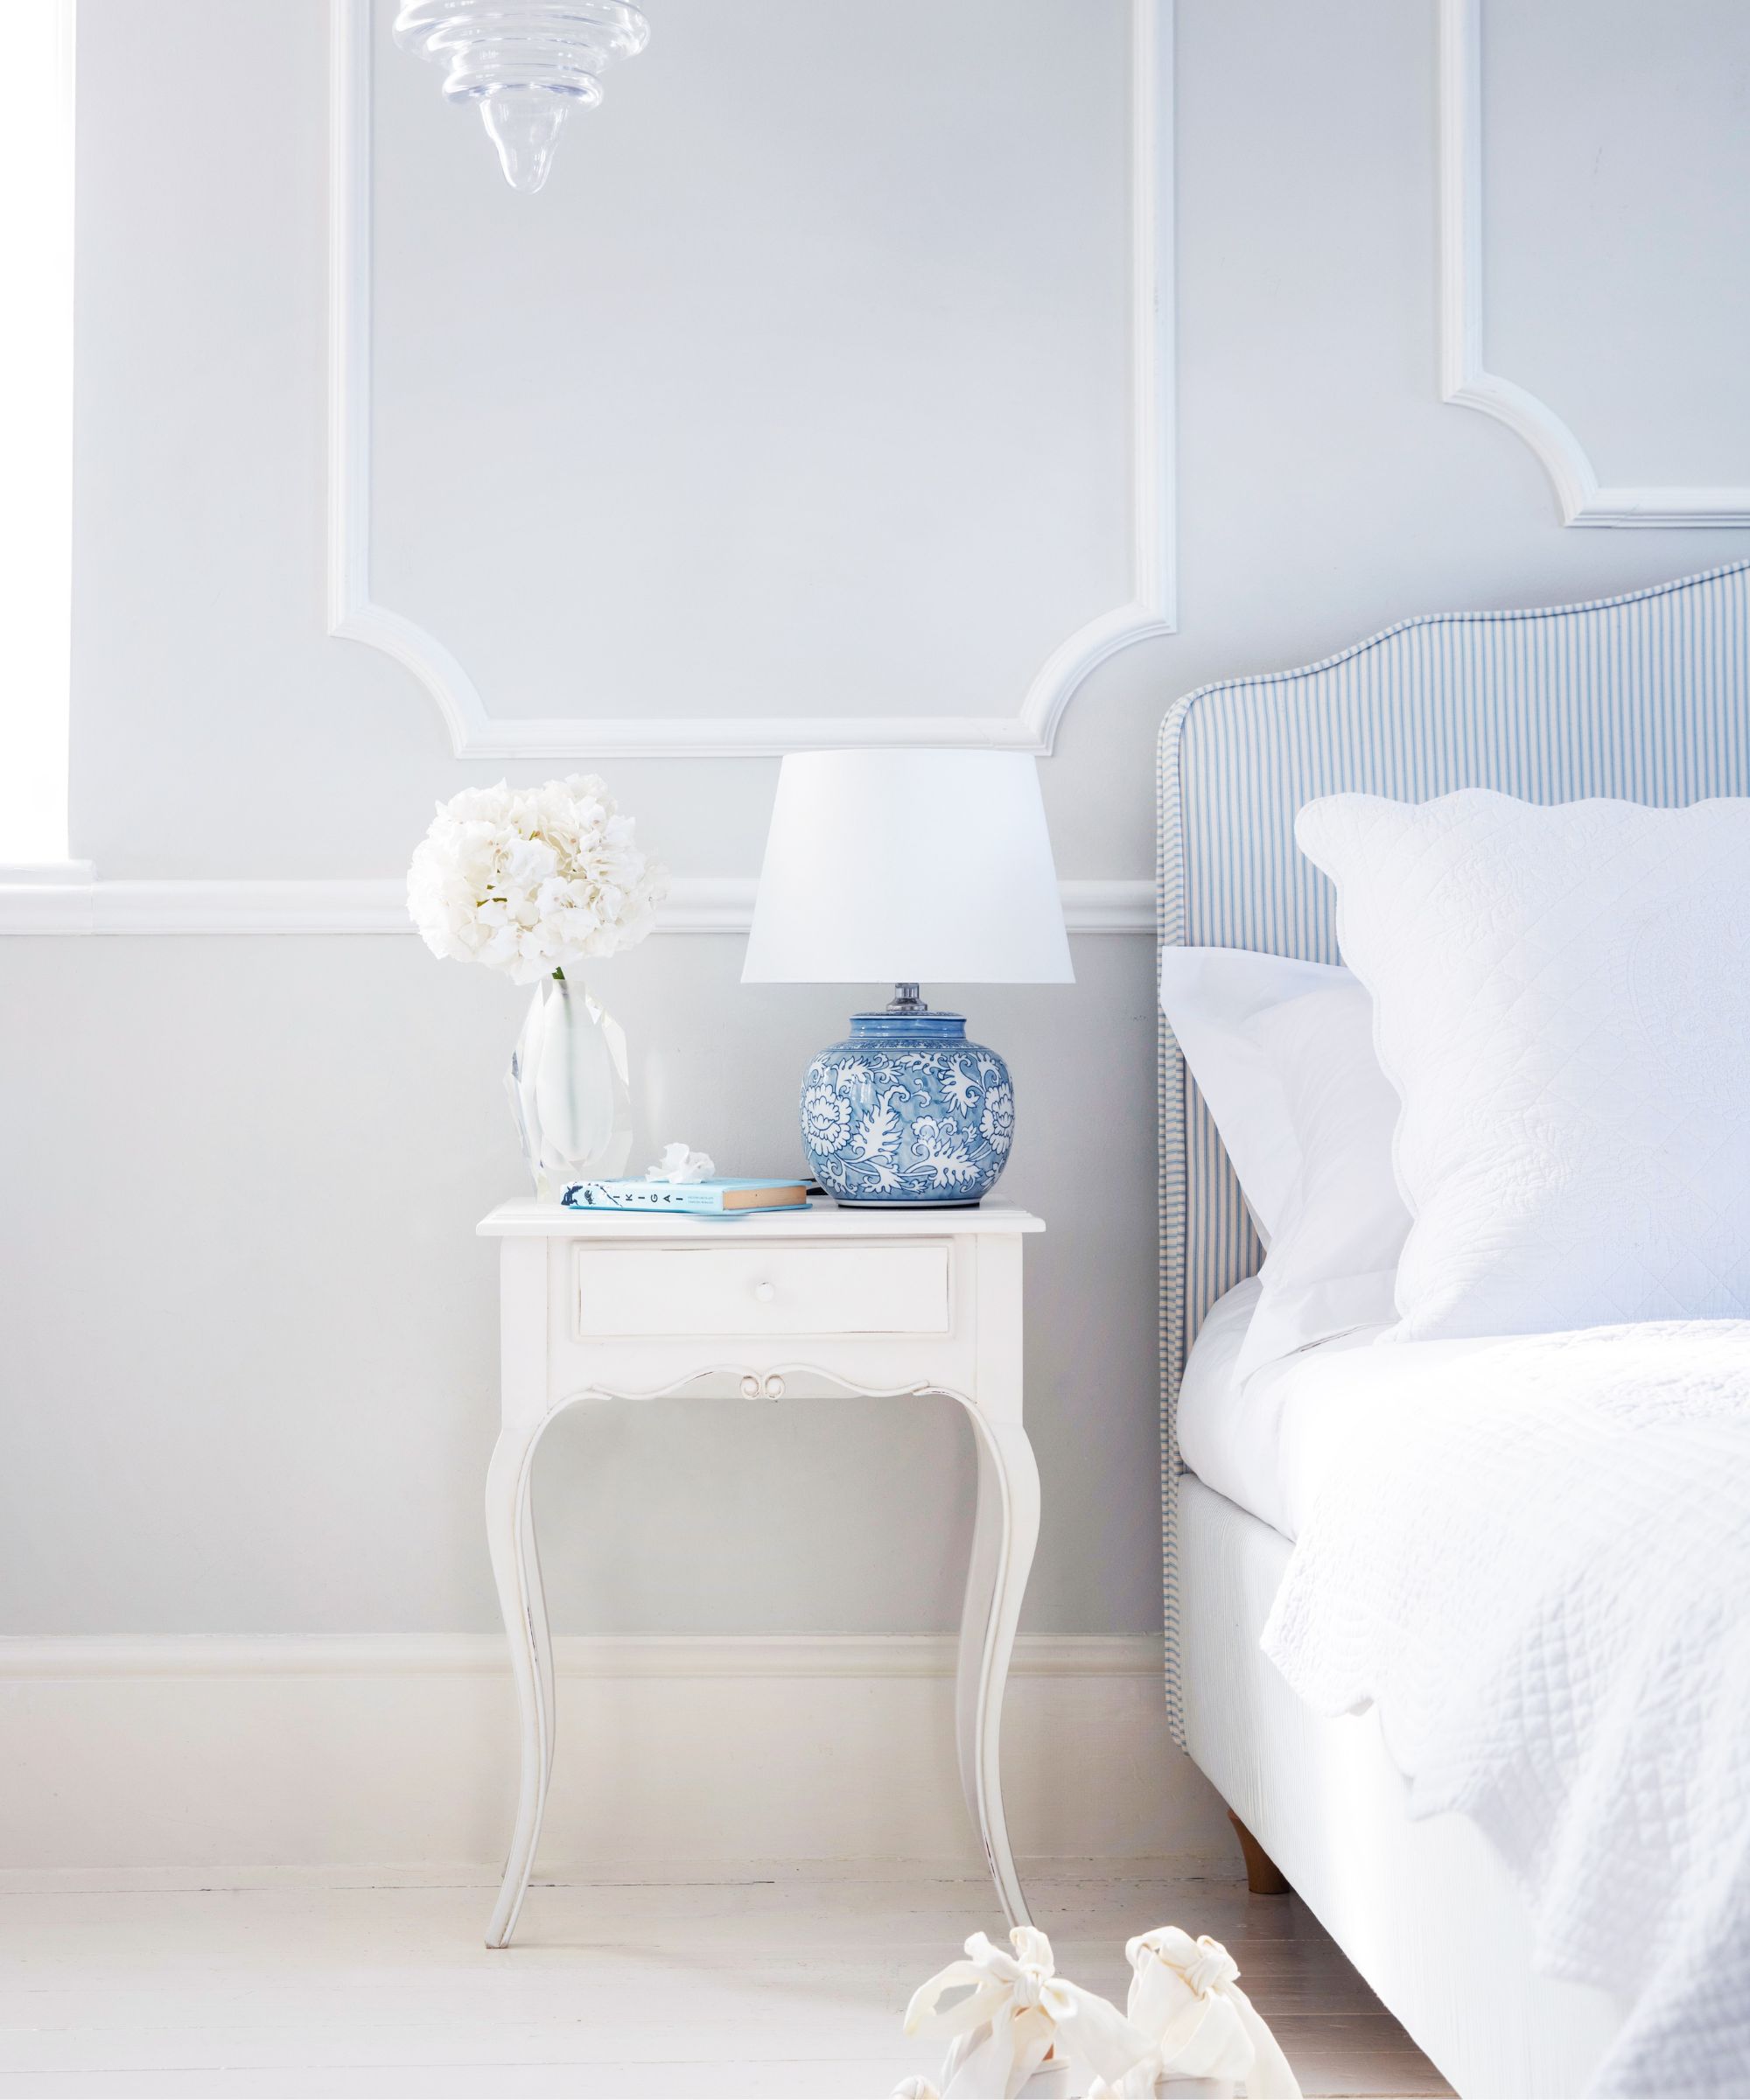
(777, 1981)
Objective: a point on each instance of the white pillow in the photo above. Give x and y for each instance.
(1283, 1053)
(1208, 996)
(1561, 998)
(1333, 1261)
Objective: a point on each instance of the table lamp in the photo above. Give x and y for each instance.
(898, 867)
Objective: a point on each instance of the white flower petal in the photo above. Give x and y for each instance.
(524, 879)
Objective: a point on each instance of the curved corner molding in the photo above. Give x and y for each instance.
(1465, 379)
(1151, 610)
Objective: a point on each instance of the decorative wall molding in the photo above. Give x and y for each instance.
(353, 614)
(154, 1757)
(1464, 380)
(697, 904)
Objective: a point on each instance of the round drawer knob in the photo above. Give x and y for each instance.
(775, 1387)
(764, 1292)
(750, 1386)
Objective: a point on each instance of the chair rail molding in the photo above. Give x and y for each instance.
(1466, 381)
(1151, 610)
(377, 903)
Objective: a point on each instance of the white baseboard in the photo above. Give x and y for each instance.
(696, 903)
(148, 1756)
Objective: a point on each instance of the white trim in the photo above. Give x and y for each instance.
(698, 904)
(129, 1758)
(676, 1657)
(1150, 610)
(1464, 380)
(1099, 906)
(46, 874)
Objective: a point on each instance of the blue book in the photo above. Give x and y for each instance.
(727, 1196)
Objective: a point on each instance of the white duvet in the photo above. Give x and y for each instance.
(1538, 1570)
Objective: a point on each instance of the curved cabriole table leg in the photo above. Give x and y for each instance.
(537, 1612)
(516, 1568)
(1005, 1533)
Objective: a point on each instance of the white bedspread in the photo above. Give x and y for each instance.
(1539, 1570)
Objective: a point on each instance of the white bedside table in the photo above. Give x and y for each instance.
(597, 1304)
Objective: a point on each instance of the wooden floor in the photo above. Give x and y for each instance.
(777, 1982)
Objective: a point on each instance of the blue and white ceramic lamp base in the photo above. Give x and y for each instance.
(907, 1111)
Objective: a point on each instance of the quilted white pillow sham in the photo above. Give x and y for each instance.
(1562, 999)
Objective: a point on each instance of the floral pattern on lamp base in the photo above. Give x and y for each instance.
(906, 1110)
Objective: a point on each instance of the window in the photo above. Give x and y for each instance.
(36, 431)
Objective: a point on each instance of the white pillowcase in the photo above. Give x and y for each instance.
(1561, 998)
(1208, 996)
(1333, 1261)
(1283, 1053)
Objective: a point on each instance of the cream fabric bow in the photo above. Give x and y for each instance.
(1186, 1997)
(1017, 2007)
(679, 1163)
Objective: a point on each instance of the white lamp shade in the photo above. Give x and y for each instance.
(894, 866)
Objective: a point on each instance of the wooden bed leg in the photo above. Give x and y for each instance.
(1263, 1876)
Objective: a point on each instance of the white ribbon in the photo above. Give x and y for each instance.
(679, 1164)
(1185, 1996)
(1016, 2008)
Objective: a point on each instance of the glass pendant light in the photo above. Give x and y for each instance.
(525, 63)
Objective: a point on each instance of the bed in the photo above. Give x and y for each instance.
(1646, 698)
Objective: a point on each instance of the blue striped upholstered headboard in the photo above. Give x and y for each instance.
(1646, 697)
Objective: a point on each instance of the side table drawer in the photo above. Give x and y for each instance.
(765, 1289)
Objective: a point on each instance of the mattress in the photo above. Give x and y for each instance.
(1270, 1442)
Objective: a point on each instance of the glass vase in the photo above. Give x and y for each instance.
(568, 1087)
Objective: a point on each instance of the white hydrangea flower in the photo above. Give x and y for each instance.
(530, 880)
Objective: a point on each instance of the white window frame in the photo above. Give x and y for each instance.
(36, 450)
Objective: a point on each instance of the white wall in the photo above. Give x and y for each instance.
(800, 390)
(252, 1338)
(1615, 153)
(249, 1333)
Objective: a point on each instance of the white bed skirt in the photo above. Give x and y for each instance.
(1425, 1910)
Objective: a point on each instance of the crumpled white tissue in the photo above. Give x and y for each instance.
(1185, 1996)
(1017, 2007)
(679, 1164)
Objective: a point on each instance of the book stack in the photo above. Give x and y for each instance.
(727, 1196)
